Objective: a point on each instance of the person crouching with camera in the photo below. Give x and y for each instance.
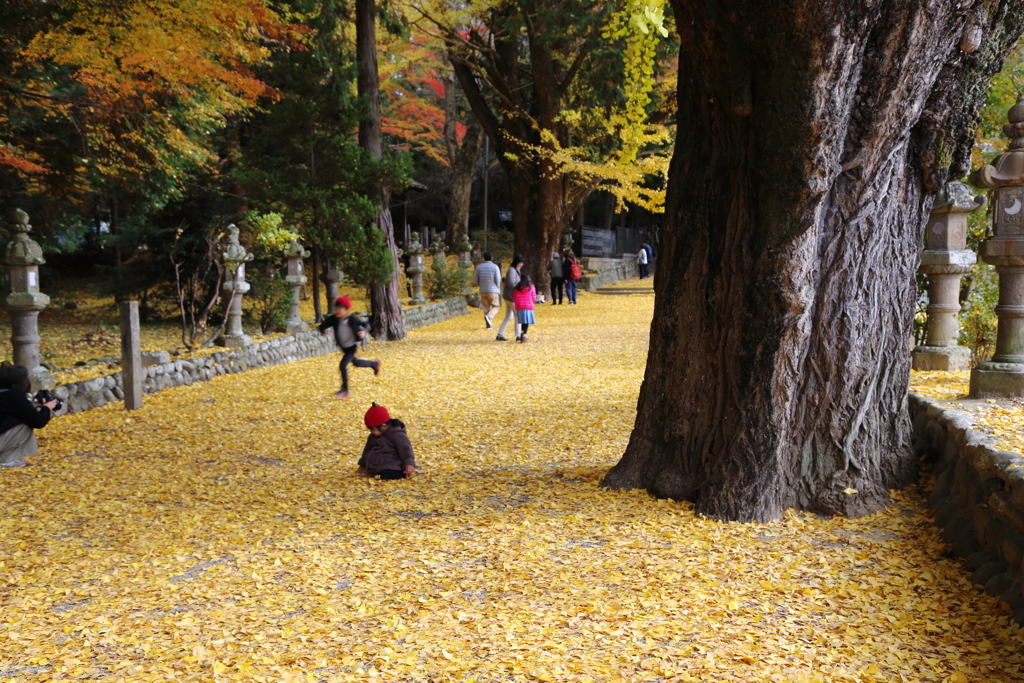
(19, 417)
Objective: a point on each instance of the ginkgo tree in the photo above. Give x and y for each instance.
(545, 82)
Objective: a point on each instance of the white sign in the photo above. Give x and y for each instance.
(31, 279)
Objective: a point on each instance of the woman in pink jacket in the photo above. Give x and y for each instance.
(523, 298)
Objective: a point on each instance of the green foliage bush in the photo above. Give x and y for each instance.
(445, 281)
(365, 257)
(271, 296)
(978, 317)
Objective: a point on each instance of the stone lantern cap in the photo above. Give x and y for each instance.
(295, 250)
(414, 247)
(234, 253)
(438, 245)
(21, 250)
(464, 244)
(1007, 168)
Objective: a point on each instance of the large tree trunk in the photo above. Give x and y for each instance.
(813, 135)
(386, 315)
(463, 158)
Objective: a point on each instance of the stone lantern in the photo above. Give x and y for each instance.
(1004, 374)
(437, 248)
(22, 259)
(416, 269)
(296, 277)
(465, 253)
(945, 260)
(234, 258)
(476, 256)
(331, 277)
(567, 241)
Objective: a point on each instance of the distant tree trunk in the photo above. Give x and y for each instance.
(463, 158)
(813, 135)
(386, 316)
(317, 307)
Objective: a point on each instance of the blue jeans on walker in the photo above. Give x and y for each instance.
(570, 290)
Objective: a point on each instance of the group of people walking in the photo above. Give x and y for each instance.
(519, 293)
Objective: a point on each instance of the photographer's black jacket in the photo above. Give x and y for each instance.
(332, 321)
(15, 410)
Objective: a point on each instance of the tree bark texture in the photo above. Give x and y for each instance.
(386, 315)
(463, 158)
(813, 135)
(516, 77)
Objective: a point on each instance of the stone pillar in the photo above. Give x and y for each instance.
(946, 259)
(331, 277)
(234, 258)
(1004, 374)
(296, 276)
(465, 253)
(416, 269)
(131, 357)
(22, 259)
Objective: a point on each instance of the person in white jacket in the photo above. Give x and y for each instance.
(487, 277)
(641, 258)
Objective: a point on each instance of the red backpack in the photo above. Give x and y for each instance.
(575, 272)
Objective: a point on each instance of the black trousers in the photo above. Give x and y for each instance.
(388, 475)
(556, 289)
(525, 326)
(350, 357)
(644, 271)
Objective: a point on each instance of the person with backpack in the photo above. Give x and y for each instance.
(571, 272)
(348, 332)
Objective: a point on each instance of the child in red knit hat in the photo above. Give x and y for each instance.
(349, 331)
(388, 451)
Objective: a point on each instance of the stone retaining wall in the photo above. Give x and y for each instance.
(978, 497)
(609, 275)
(93, 393)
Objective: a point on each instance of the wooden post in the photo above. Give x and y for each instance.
(131, 356)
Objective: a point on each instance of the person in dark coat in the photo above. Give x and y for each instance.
(19, 417)
(348, 332)
(388, 451)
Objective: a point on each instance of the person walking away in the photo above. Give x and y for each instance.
(524, 297)
(555, 268)
(507, 292)
(641, 259)
(388, 451)
(487, 277)
(571, 272)
(19, 417)
(348, 330)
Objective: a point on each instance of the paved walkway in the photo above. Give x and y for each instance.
(221, 534)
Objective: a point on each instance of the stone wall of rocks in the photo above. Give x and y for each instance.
(162, 372)
(978, 497)
(609, 275)
(429, 314)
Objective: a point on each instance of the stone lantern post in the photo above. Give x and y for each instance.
(331, 277)
(234, 258)
(416, 268)
(946, 259)
(1004, 374)
(465, 253)
(437, 248)
(476, 256)
(22, 259)
(294, 253)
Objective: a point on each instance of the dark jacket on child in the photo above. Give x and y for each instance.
(16, 410)
(389, 451)
(345, 341)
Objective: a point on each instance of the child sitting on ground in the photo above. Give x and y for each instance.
(388, 451)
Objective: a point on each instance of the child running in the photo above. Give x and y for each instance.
(348, 332)
(388, 451)
(523, 297)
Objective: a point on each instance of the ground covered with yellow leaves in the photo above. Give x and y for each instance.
(222, 533)
(1002, 419)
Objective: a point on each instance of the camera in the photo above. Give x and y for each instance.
(45, 396)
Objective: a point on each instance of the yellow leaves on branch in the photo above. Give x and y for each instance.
(221, 534)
